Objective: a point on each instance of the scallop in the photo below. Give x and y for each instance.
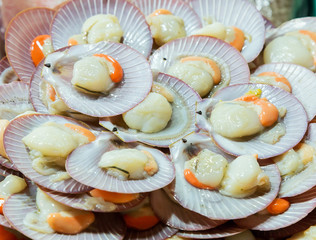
(295, 122)
(211, 203)
(182, 119)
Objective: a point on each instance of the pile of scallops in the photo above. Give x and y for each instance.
(157, 120)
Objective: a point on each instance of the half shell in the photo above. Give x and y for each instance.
(233, 66)
(18, 154)
(69, 19)
(20, 33)
(238, 13)
(182, 120)
(88, 172)
(129, 92)
(211, 203)
(295, 121)
(302, 80)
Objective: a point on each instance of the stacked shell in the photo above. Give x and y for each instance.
(140, 120)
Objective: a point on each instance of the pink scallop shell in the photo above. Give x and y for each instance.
(69, 19)
(88, 172)
(106, 226)
(178, 126)
(158, 232)
(302, 225)
(226, 230)
(213, 204)
(295, 121)
(305, 23)
(74, 200)
(176, 7)
(20, 33)
(302, 80)
(17, 152)
(134, 87)
(300, 207)
(4, 64)
(237, 68)
(239, 13)
(12, 94)
(174, 215)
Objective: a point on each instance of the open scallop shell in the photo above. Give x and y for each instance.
(20, 33)
(182, 120)
(70, 17)
(174, 215)
(281, 233)
(238, 13)
(88, 172)
(226, 230)
(78, 201)
(213, 204)
(17, 152)
(301, 205)
(14, 98)
(106, 226)
(134, 87)
(302, 80)
(232, 65)
(305, 23)
(176, 7)
(295, 121)
(158, 232)
(304, 180)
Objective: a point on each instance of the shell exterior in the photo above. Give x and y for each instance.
(106, 226)
(213, 204)
(158, 232)
(180, 218)
(176, 7)
(12, 95)
(88, 172)
(302, 80)
(305, 23)
(18, 154)
(238, 13)
(295, 121)
(233, 66)
(70, 17)
(225, 230)
(182, 120)
(134, 87)
(300, 207)
(20, 33)
(78, 201)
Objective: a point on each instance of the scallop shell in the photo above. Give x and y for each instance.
(88, 172)
(4, 64)
(7, 74)
(174, 215)
(302, 80)
(209, 203)
(78, 201)
(106, 226)
(20, 33)
(17, 152)
(129, 92)
(178, 8)
(233, 66)
(238, 13)
(158, 232)
(182, 120)
(305, 23)
(281, 233)
(70, 17)
(226, 230)
(300, 207)
(12, 95)
(295, 121)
